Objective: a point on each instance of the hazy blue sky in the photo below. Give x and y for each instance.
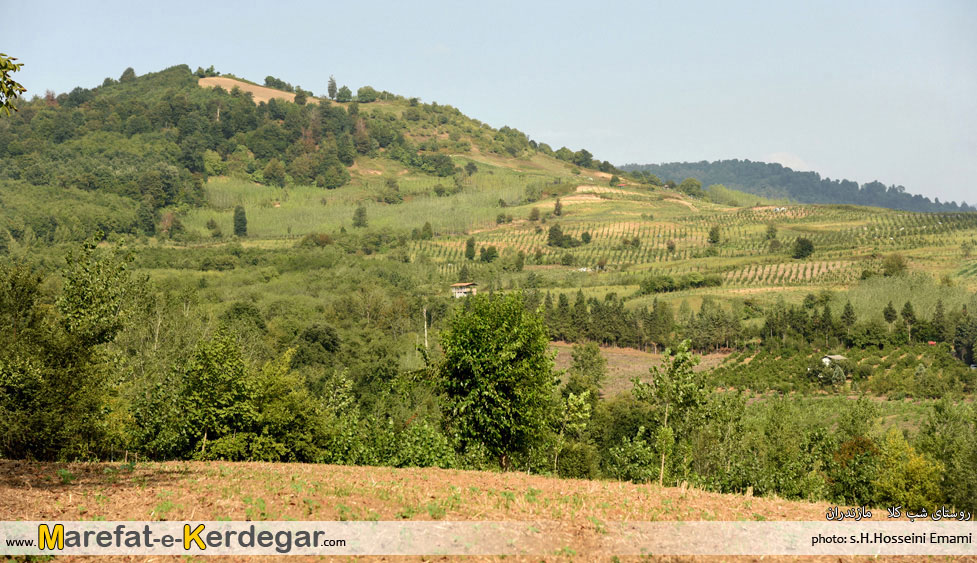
(859, 90)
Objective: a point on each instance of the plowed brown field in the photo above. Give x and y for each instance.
(266, 491)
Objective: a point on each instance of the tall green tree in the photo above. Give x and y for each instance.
(57, 377)
(218, 393)
(678, 393)
(470, 248)
(331, 88)
(588, 363)
(889, 314)
(497, 375)
(848, 318)
(909, 316)
(240, 222)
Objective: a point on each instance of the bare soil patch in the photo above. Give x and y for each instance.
(215, 490)
(259, 93)
(624, 364)
(573, 511)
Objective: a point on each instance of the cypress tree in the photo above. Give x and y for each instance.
(359, 217)
(909, 315)
(240, 222)
(848, 317)
(331, 89)
(889, 314)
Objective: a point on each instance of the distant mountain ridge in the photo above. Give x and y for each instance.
(777, 181)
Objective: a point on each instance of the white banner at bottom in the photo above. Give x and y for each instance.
(488, 538)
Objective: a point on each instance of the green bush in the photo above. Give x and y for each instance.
(578, 461)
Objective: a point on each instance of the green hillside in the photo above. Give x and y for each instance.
(188, 274)
(774, 180)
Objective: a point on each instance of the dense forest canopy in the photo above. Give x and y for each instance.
(775, 181)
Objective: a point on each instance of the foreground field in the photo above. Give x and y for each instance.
(575, 512)
(268, 491)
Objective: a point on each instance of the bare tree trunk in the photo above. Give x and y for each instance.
(661, 473)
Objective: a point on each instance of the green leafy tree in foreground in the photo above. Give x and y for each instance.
(679, 395)
(56, 378)
(218, 392)
(10, 90)
(497, 375)
(240, 222)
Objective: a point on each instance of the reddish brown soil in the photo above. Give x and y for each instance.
(265, 491)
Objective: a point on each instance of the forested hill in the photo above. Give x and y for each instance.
(131, 154)
(776, 181)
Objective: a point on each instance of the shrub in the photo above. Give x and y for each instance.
(578, 461)
(802, 248)
(634, 459)
(907, 478)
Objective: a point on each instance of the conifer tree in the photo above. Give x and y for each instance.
(331, 89)
(909, 316)
(848, 318)
(240, 222)
(889, 314)
(359, 217)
